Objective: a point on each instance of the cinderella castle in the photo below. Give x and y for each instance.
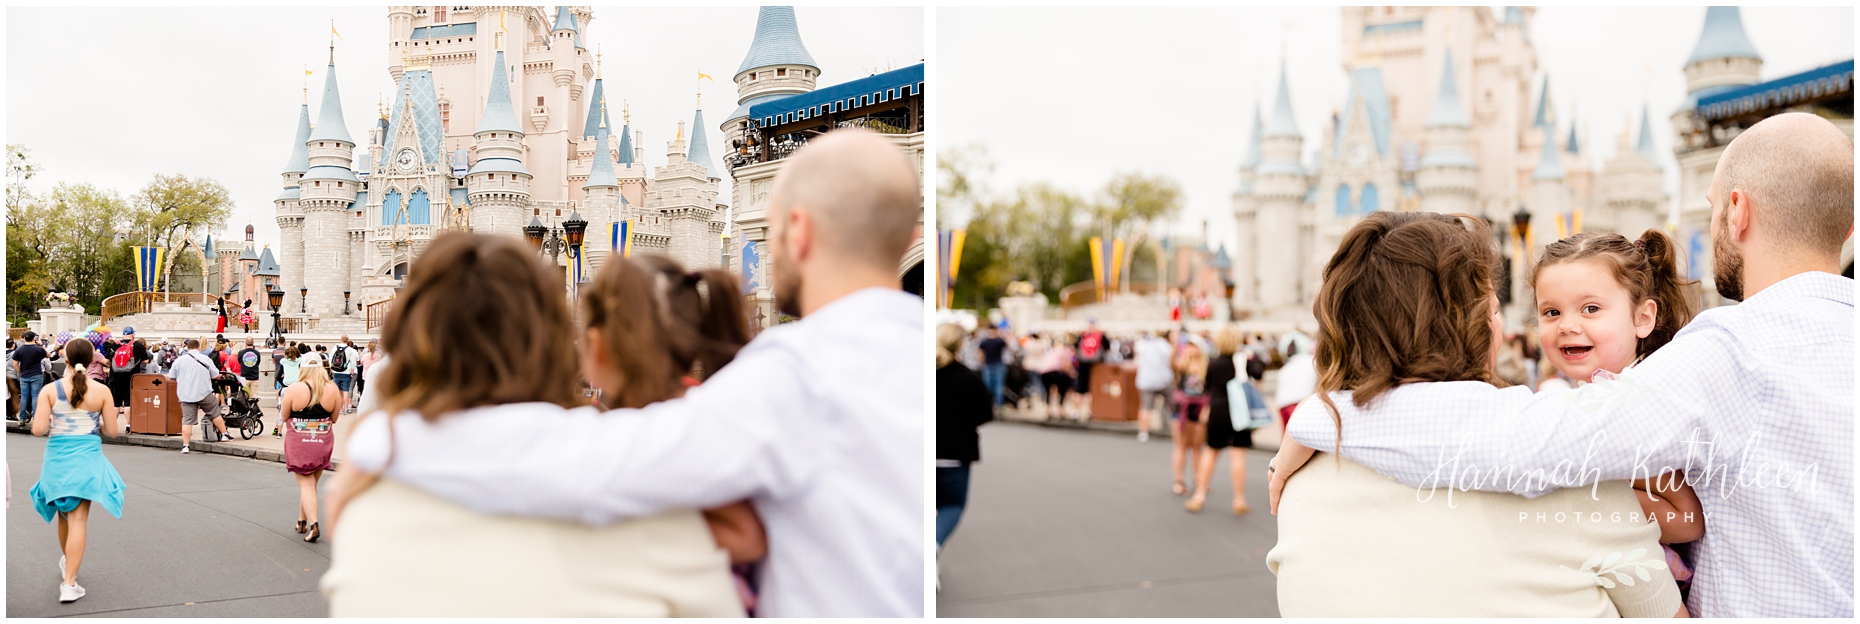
(1447, 111)
(500, 124)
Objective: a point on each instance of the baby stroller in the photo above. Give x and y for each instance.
(242, 412)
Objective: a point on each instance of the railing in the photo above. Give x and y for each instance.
(296, 325)
(1085, 293)
(378, 312)
(136, 302)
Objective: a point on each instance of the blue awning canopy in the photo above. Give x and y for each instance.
(867, 91)
(1812, 84)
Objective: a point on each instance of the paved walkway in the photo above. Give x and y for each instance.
(1079, 523)
(201, 536)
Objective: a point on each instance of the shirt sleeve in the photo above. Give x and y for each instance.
(751, 430)
(1643, 423)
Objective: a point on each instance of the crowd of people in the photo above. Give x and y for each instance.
(1715, 449)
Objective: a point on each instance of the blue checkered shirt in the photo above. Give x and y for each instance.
(1754, 401)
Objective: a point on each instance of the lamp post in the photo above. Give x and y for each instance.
(345, 303)
(1522, 219)
(548, 240)
(574, 233)
(303, 292)
(276, 298)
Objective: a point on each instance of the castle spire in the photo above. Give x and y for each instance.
(498, 115)
(1545, 116)
(626, 134)
(1447, 109)
(1646, 147)
(597, 112)
(329, 124)
(1283, 122)
(1252, 150)
(1549, 167)
(699, 151)
(601, 174)
(777, 42)
(1723, 37)
(300, 149)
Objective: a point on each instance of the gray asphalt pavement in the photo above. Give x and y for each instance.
(201, 536)
(1070, 523)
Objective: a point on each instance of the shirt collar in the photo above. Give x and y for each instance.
(863, 303)
(1815, 284)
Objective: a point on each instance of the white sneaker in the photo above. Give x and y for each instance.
(184, 450)
(70, 593)
(1143, 436)
(225, 438)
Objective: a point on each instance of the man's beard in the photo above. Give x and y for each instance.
(1727, 266)
(787, 287)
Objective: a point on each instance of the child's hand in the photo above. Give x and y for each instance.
(1292, 455)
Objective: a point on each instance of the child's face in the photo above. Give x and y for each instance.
(1586, 319)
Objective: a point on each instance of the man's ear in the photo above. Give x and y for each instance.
(800, 235)
(1737, 205)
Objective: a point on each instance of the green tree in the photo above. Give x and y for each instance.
(1031, 237)
(1131, 205)
(78, 230)
(24, 263)
(171, 208)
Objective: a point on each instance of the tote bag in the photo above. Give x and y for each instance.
(1253, 411)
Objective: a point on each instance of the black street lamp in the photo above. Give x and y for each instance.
(303, 292)
(345, 302)
(276, 298)
(549, 240)
(534, 232)
(1522, 219)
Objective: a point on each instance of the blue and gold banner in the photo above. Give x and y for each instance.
(623, 238)
(148, 267)
(1105, 264)
(949, 260)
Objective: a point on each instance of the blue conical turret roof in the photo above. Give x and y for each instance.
(1447, 109)
(1545, 116)
(1570, 145)
(1723, 37)
(602, 173)
(777, 42)
(596, 116)
(626, 145)
(498, 114)
(1646, 147)
(329, 125)
(699, 151)
(1283, 122)
(1549, 167)
(300, 150)
(1252, 148)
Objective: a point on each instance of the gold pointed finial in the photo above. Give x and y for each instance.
(603, 113)
(626, 113)
(597, 61)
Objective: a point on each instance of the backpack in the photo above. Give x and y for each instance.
(166, 361)
(340, 359)
(124, 360)
(1091, 346)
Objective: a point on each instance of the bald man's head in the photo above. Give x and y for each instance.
(861, 191)
(1798, 171)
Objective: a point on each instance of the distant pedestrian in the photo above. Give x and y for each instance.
(277, 365)
(962, 405)
(193, 374)
(249, 360)
(994, 362)
(1191, 403)
(1056, 376)
(310, 409)
(293, 361)
(1154, 378)
(75, 415)
(342, 361)
(28, 360)
(130, 356)
(1223, 431)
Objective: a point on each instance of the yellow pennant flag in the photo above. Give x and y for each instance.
(704, 76)
(332, 30)
(308, 72)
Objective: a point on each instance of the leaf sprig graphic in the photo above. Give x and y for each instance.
(1618, 566)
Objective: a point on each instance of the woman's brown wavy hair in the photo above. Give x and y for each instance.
(660, 323)
(482, 321)
(1406, 299)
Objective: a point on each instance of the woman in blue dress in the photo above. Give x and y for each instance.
(73, 413)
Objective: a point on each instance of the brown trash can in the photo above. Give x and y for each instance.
(153, 407)
(1114, 393)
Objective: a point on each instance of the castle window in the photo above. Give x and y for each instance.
(439, 14)
(781, 72)
(338, 185)
(445, 116)
(539, 100)
(318, 183)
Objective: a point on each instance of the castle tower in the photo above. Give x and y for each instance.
(1448, 176)
(1549, 195)
(1631, 200)
(1724, 59)
(776, 66)
(1246, 213)
(602, 207)
(684, 195)
(498, 185)
(328, 190)
(631, 170)
(290, 215)
(1279, 186)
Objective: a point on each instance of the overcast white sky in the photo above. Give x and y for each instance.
(214, 92)
(1072, 96)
